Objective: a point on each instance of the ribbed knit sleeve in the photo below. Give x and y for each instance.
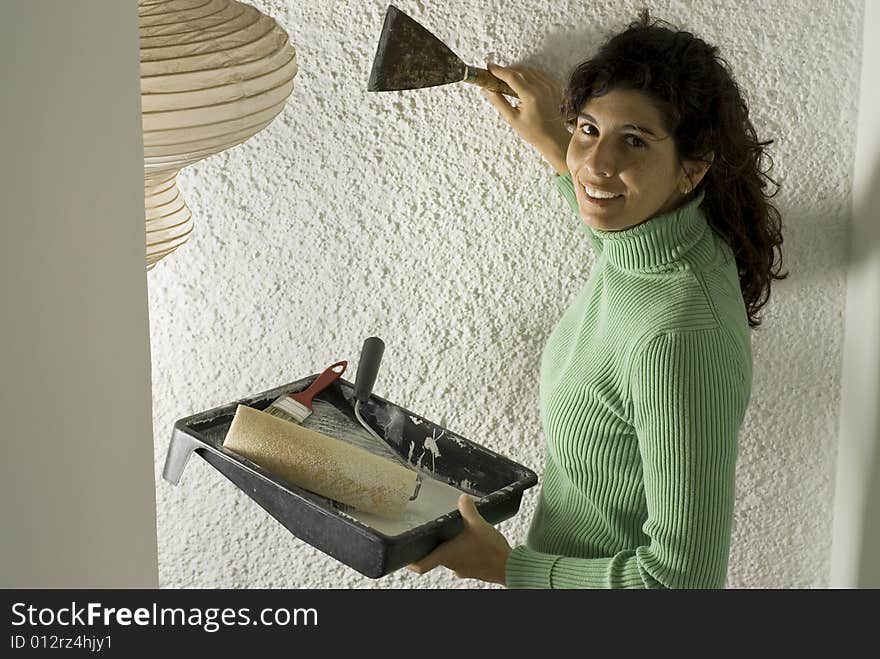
(688, 402)
(565, 186)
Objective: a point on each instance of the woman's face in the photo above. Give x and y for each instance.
(619, 146)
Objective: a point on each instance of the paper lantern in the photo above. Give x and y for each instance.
(213, 73)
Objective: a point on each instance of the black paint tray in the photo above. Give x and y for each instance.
(498, 482)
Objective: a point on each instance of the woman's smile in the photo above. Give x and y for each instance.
(599, 197)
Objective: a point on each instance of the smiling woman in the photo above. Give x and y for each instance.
(626, 171)
(646, 378)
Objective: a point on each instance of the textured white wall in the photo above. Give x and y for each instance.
(419, 217)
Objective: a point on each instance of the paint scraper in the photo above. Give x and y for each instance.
(410, 57)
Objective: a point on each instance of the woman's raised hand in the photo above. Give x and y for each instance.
(536, 118)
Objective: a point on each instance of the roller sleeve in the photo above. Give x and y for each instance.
(320, 464)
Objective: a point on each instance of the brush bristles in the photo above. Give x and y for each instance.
(289, 409)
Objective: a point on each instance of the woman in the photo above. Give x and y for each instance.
(647, 376)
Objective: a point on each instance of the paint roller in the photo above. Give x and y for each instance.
(359, 477)
(321, 464)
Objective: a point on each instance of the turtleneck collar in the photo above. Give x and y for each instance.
(657, 242)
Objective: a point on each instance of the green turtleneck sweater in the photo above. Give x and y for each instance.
(645, 382)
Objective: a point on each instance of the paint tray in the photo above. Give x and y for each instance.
(443, 457)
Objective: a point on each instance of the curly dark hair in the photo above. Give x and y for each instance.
(702, 107)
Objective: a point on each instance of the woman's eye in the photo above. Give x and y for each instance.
(637, 142)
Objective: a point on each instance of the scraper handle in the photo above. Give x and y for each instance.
(368, 368)
(482, 77)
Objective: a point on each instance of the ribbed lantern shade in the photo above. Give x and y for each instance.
(213, 73)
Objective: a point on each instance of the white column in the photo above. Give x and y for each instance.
(78, 492)
(855, 556)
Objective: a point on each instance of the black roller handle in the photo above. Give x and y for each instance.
(368, 368)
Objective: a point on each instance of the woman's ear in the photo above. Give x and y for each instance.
(695, 170)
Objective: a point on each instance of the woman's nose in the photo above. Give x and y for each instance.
(600, 160)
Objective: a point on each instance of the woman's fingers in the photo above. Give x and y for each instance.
(469, 511)
(530, 83)
(536, 118)
(429, 562)
(446, 551)
(505, 109)
(506, 73)
(514, 78)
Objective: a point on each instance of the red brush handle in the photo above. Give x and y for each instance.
(328, 377)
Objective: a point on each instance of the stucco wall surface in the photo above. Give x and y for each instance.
(419, 217)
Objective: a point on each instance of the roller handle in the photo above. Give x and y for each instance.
(482, 78)
(368, 368)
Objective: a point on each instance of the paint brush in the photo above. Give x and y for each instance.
(297, 407)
